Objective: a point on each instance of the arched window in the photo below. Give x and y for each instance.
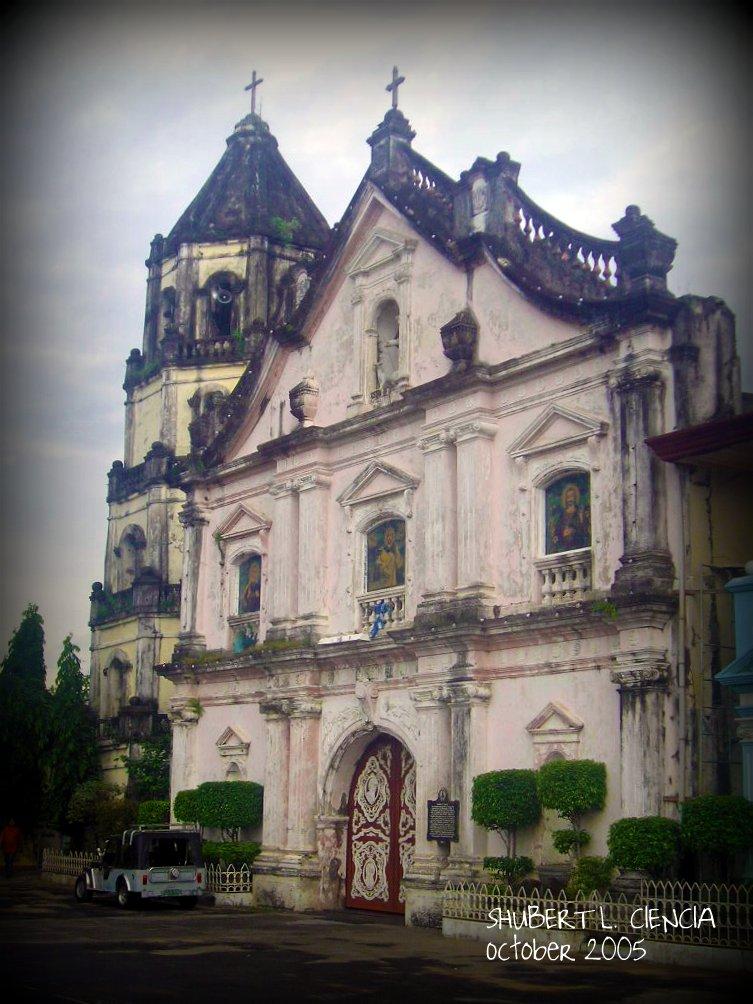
(385, 555)
(568, 513)
(233, 772)
(130, 557)
(222, 319)
(387, 344)
(249, 584)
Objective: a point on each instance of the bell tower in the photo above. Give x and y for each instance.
(234, 266)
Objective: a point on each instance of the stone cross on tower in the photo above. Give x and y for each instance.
(396, 81)
(252, 87)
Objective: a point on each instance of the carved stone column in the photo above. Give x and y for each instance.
(284, 559)
(474, 515)
(193, 522)
(422, 884)
(642, 680)
(276, 713)
(467, 702)
(646, 561)
(313, 551)
(183, 723)
(440, 529)
(303, 764)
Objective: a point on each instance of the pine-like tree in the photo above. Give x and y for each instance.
(24, 706)
(72, 753)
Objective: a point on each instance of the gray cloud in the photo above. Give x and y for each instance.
(116, 114)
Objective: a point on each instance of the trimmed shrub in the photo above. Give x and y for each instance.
(185, 806)
(572, 787)
(504, 801)
(650, 844)
(567, 841)
(229, 806)
(510, 869)
(590, 874)
(717, 824)
(229, 853)
(153, 812)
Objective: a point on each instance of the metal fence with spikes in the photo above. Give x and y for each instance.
(679, 912)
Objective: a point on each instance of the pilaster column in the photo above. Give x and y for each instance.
(642, 680)
(434, 770)
(646, 561)
(193, 522)
(474, 514)
(467, 702)
(284, 557)
(303, 764)
(313, 549)
(276, 713)
(183, 724)
(440, 526)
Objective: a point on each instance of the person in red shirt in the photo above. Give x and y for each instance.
(10, 841)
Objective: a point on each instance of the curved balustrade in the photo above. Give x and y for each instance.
(585, 256)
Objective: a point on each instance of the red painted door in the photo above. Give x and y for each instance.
(382, 827)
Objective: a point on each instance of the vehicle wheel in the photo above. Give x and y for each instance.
(188, 902)
(81, 891)
(125, 898)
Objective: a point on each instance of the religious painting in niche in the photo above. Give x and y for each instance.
(249, 584)
(385, 555)
(568, 513)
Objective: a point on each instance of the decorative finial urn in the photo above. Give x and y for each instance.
(459, 338)
(304, 400)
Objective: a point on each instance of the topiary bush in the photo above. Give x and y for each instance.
(650, 844)
(230, 853)
(153, 812)
(572, 788)
(591, 874)
(510, 869)
(570, 841)
(185, 806)
(717, 825)
(505, 801)
(229, 806)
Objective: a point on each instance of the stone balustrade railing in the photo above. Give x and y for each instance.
(390, 604)
(564, 577)
(586, 257)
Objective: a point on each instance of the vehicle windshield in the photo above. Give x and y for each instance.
(165, 850)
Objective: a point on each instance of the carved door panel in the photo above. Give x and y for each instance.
(382, 827)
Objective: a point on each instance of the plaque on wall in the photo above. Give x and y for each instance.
(443, 816)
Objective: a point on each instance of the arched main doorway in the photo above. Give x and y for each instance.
(381, 827)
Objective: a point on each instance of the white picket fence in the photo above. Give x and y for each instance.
(228, 878)
(679, 912)
(66, 862)
(218, 877)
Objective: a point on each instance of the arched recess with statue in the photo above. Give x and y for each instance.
(372, 780)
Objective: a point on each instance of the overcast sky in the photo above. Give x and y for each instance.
(116, 114)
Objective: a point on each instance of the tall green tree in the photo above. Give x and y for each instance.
(72, 751)
(24, 720)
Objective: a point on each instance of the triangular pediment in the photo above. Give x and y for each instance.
(381, 248)
(556, 426)
(378, 480)
(242, 522)
(554, 720)
(231, 743)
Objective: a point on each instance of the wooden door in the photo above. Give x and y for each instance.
(382, 827)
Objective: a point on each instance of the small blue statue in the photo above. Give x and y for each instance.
(245, 638)
(381, 610)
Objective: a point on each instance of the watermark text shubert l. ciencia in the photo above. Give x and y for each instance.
(604, 948)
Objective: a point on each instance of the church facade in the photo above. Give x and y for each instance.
(423, 536)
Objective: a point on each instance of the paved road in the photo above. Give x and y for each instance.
(53, 949)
